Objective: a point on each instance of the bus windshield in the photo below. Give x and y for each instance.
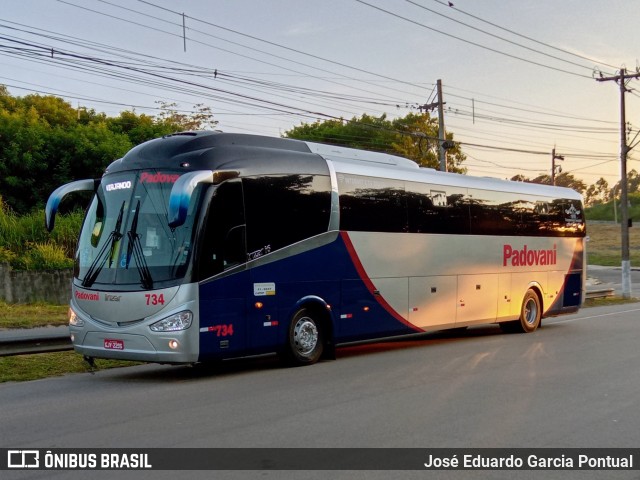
(126, 241)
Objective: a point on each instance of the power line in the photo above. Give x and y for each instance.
(253, 49)
(282, 87)
(567, 52)
(153, 68)
(515, 57)
(258, 39)
(208, 73)
(234, 43)
(499, 37)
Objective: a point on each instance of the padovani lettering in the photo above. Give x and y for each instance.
(94, 297)
(158, 177)
(524, 257)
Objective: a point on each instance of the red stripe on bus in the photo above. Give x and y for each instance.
(369, 284)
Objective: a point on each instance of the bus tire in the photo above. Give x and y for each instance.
(306, 338)
(530, 315)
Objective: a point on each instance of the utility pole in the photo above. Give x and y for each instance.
(443, 145)
(442, 137)
(184, 33)
(555, 157)
(624, 149)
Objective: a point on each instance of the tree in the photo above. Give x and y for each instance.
(139, 128)
(564, 179)
(597, 193)
(200, 119)
(633, 182)
(45, 142)
(414, 136)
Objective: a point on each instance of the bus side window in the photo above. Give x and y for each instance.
(233, 248)
(285, 209)
(224, 243)
(437, 209)
(369, 204)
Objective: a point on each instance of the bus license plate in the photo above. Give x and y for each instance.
(113, 344)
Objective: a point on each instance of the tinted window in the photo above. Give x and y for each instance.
(495, 213)
(284, 209)
(369, 204)
(381, 205)
(437, 209)
(224, 244)
(566, 218)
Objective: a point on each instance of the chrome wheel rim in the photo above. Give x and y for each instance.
(531, 311)
(305, 336)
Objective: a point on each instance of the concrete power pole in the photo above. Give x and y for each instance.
(555, 157)
(624, 212)
(442, 137)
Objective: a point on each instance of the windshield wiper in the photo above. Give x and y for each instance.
(135, 248)
(98, 263)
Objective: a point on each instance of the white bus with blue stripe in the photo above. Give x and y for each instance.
(201, 246)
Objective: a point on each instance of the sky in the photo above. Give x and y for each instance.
(519, 78)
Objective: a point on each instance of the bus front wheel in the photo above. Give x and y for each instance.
(530, 315)
(305, 342)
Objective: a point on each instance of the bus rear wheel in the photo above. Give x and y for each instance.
(306, 338)
(530, 315)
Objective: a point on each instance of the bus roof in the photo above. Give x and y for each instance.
(216, 150)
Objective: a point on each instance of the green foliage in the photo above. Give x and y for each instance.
(564, 179)
(43, 256)
(413, 136)
(15, 315)
(45, 142)
(20, 368)
(597, 193)
(605, 211)
(7, 256)
(26, 244)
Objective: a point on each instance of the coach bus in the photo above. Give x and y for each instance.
(201, 246)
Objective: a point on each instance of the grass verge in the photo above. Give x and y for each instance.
(32, 315)
(606, 301)
(21, 368)
(604, 243)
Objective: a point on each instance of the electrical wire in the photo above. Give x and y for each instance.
(476, 44)
(567, 52)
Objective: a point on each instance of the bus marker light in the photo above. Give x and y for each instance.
(173, 344)
(259, 305)
(366, 309)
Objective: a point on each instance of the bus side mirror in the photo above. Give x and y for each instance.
(182, 191)
(59, 193)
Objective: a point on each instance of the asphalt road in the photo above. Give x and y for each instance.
(573, 383)
(611, 277)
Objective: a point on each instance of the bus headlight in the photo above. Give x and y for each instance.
(179, 321)
(74, 319)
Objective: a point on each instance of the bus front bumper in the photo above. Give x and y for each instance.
(173, 347)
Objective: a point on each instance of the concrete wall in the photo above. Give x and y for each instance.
(19, 286)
